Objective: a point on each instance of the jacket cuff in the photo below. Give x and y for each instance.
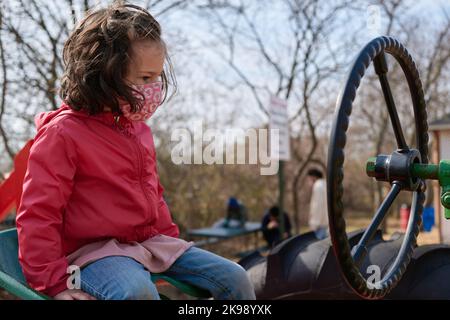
(57, 288)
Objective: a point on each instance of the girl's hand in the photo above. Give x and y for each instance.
(73, 294)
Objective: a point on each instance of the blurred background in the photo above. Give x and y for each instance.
(229, 58)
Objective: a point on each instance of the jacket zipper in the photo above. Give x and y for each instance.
(141, 164)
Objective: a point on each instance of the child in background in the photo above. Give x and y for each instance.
(271, 227)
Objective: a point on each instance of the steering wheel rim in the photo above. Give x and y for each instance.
(374, 52)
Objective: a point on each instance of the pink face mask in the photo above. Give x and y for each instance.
(153, 95)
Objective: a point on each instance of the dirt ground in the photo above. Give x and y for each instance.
(392, 226)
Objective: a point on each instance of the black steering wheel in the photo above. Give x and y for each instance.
(394, 169)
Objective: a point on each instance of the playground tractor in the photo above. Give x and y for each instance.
(406, 168)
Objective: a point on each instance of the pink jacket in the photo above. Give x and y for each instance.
(89, 178)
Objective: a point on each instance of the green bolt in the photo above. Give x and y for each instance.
(370, 166)
(446, 199)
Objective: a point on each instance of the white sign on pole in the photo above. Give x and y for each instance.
(279, 120)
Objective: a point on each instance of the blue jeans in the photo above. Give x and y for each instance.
(123, 278)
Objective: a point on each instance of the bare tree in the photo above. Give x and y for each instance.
(4, 89)
(295, 72)
(35, 31)
(376, 119)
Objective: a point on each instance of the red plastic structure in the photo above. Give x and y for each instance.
(11, 188)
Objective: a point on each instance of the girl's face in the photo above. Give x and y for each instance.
(147, 62)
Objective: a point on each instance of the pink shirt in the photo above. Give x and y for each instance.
(157, 253)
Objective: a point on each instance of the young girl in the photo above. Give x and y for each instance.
(91, 195)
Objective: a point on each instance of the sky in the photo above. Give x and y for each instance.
(201, 71)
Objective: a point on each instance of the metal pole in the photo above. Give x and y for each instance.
(281, 197)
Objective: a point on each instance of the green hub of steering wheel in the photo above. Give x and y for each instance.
(440, 172)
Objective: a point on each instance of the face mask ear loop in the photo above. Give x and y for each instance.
(116, 120)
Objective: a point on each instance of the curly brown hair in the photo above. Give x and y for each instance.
(97, 54)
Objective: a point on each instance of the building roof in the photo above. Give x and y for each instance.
(440, 124)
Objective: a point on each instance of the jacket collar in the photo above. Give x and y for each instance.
(113, 120)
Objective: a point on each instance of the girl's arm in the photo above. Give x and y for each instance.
(168, 227)
(164, 224)
(46, 189)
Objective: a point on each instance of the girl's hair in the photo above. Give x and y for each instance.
(97, 55)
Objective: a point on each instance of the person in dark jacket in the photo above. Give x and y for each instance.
(271, 229)
(236, 215)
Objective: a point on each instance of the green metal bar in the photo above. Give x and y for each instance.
(425, 171)
(184, 287)
(18, 289)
